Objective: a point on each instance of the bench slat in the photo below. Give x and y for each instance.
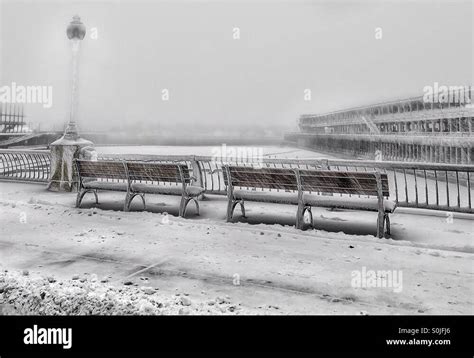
(342, 182)
(102, 169)
(157, 172)
(267, 178)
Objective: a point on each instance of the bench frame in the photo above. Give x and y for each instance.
(383, 219)
(82, 191)
(131, 193)
(232, 201)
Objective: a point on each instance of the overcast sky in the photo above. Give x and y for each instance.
(187, 47)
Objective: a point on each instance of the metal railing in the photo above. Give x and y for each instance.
(25, 165)
(447, 187)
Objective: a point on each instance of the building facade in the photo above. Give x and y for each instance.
(404, 130)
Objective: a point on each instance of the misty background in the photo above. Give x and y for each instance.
(217, 85)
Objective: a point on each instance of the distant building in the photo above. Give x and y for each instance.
(404, 130)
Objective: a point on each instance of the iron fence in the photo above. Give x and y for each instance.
(447, 187)
(25, 165)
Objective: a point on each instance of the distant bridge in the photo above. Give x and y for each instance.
(12, 119)
(28, 139)
(15, 132)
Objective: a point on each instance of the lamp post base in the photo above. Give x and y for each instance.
(63, 153)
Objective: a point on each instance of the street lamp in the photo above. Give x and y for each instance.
(70, 145)
(76, 31)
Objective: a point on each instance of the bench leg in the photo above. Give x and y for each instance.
(182, 206)
(197, 206)
(242, 208)
(143, 200)
(387, 224)
(380, 224)
(300, 216)
(230, 209)
(185, 205)
(128, 200)
(80, 196)
(126, 205)
(231, 204)
(308, 209)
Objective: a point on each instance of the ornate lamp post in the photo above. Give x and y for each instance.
(68, 147)
(76, 31)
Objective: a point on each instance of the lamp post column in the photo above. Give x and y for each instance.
(69, 146)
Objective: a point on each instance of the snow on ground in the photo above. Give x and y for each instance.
(86, 295)
(263, 265)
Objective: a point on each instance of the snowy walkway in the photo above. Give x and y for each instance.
(266, 267)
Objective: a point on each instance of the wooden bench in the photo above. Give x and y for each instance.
(300, 187)
(137, 179)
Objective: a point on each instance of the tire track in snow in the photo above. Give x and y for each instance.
(209, 278)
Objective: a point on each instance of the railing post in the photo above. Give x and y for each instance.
(197, 173)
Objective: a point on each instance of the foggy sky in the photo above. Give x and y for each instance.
(188, 48)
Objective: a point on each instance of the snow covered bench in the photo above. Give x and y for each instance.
(167, 179)
(300, 187)
(99, 175)
(137, 179)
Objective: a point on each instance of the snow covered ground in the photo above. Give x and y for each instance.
(260, 265)
(154, 262)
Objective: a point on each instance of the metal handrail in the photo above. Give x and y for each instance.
(25, 165)
(446, 187)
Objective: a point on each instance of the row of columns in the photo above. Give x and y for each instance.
(447, 125)
(391, 151)
(426, 153)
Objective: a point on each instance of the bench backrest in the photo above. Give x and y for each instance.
(266, 178)
(343, 182)
(158, 172)
(101, 169)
